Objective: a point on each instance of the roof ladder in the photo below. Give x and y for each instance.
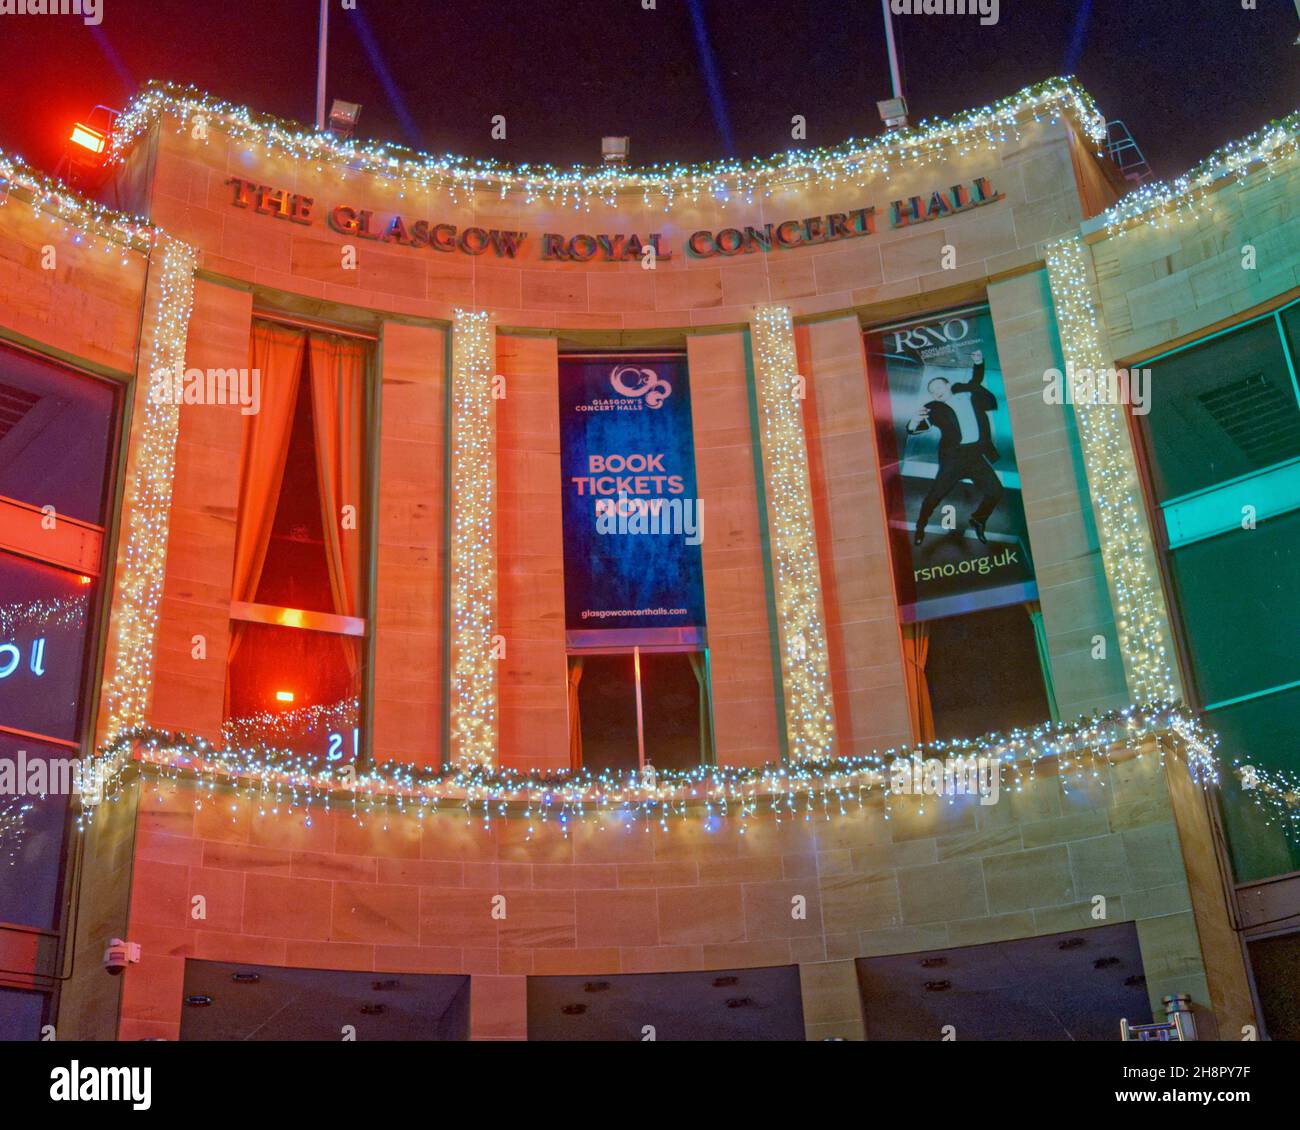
(1126, 153)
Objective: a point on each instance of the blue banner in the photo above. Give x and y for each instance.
(633, 523)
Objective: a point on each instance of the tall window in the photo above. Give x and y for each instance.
(633, 567)
(299, 616)
(1222, 445)
(57, 437)
(983, 672)
(974, 647)
(638, 707)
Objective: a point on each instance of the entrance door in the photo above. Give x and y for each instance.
(1075, 986)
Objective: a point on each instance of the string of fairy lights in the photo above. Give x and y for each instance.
(260, 757)
(796, 575)
(284, 725)
(1141, 618)
(147, 506)
(70, 216)
(276, 781)
(817, 780)
(473, 699)
(13, 826)
(1166, 204)
(45, 612)
(854, 162)
(1275, 792)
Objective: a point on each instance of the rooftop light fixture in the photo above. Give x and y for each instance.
(614, 150)
(343, 118)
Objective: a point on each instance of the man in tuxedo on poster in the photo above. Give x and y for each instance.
(961, 413)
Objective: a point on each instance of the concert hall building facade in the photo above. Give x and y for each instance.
(511, 603)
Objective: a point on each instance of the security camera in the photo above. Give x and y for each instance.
(119, 955)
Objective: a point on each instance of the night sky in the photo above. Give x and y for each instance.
(691, 80)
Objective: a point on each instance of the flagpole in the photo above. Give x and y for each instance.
(894, 75)
(322, 54)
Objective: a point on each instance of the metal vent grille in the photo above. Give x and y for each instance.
(1256, 416)
(15, 403)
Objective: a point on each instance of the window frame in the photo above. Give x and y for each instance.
(1155, 510)
(331, 623)
(27, 966)
(634, 652)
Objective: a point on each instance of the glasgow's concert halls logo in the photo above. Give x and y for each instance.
(636, 382)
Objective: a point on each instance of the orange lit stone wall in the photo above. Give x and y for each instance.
(533, 688)
(866, 666)
(191, 199)
(406, 295)
(85, 308)
(189, 692)
(414, 896)
(742, 664)
(409, 611)
(405, 895)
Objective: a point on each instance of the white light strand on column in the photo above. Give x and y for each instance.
(1128, 555)
(472, 497)
(796, 575)
(146, 508)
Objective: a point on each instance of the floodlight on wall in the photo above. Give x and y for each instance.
(614, 150)
(89, 139)
(343, 117)
(85, 152)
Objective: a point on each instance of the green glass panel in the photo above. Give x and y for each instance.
(1239, 596)
(1221, 410)
(1263, 732)
(1291, 326)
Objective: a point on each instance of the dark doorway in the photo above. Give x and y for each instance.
(676, 709)
(984, 673)
(728, 1004)
(269, 1002)
(1075, 986)
(1276, 964)
(670, 714)
(607, 705)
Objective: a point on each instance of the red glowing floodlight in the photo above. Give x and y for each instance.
(284, 696)
(85, 154)
(89, 139)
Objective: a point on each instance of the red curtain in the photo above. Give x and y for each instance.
(337, 378)
(336, 368)
(277, 355)
(916, 650)
(276, 358)
(575, 716)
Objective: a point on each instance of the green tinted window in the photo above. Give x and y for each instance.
(1222, 410)
(1263, 732)
(1291, 326)
(1239, 595)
